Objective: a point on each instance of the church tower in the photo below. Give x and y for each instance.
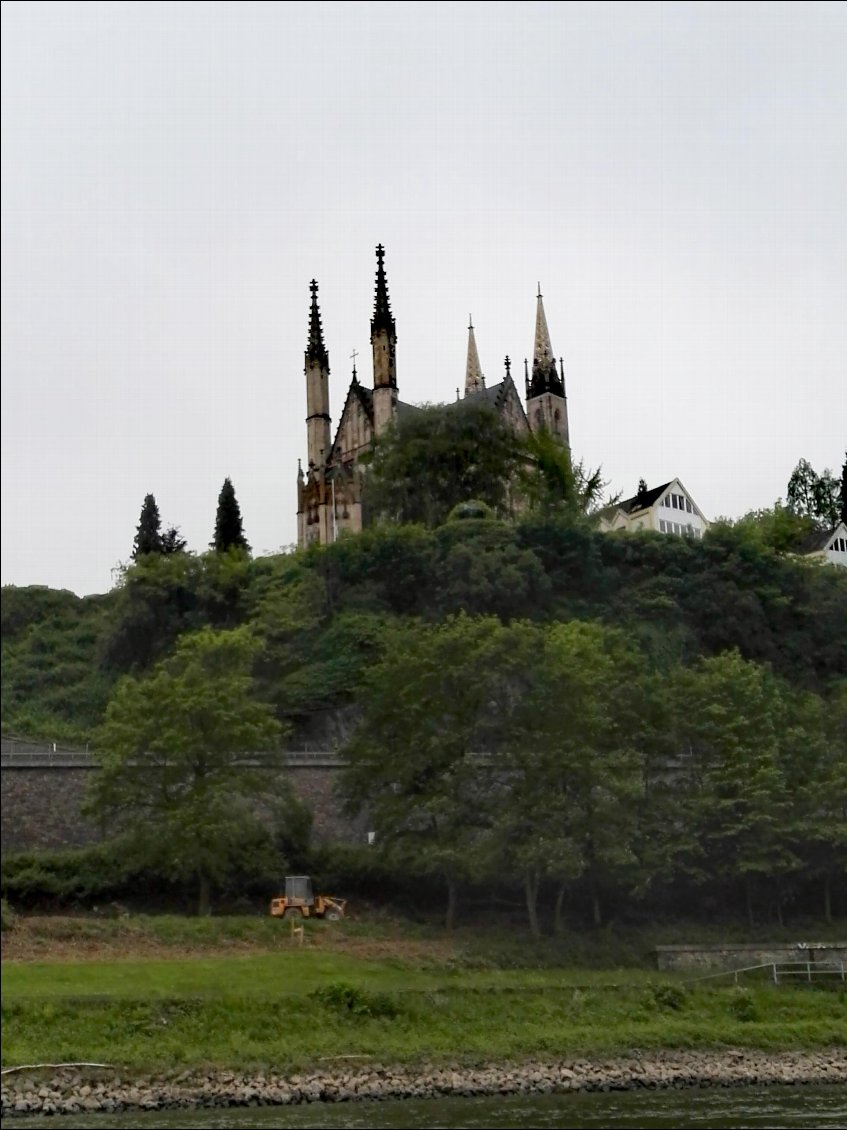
(546, 403)
(384, 345)
(314, 513)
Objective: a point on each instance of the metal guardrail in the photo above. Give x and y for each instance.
(779, 971)
(83, 759)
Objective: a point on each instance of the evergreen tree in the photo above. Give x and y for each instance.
(229, 533)
(148, 537)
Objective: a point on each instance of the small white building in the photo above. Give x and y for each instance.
(828, 546)
(667, 509)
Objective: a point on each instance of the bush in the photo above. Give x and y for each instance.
(7, 916)
(348, 1000)
(668, 997)
(743, 1006)
(60, 878)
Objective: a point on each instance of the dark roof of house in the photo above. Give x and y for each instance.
(641, 501)
(815, 541)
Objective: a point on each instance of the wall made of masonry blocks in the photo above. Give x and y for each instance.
(42, 808)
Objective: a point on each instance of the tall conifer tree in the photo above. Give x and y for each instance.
(229, 532)
(148, 536)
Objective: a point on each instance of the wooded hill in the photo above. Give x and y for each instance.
(667, 717)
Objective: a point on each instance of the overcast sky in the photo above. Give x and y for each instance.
(675, 176)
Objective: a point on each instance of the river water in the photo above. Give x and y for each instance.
(778, 1107)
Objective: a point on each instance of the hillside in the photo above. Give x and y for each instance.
(321, 613)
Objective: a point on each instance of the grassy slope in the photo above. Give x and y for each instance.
(418, 1000)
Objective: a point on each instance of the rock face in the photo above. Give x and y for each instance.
(68, 1092)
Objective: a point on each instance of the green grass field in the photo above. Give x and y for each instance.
(299, 1007)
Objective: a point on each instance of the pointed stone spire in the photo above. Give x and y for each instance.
(317, 349)
(317, 387)
(384, 348)
(545, 375)
(382, 319)
(474, 380)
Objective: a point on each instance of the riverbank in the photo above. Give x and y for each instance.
(68, 1091)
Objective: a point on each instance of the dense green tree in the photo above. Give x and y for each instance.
(816, 496)
(815, 760)
(551, 482)
(435, 701)
(780, 528)
(730, 720)
(433, 459)
(148, 537)
(178, 771)
(229, 532)
(571, 760)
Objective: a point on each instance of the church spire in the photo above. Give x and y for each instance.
(474, 380)
(384, 347)
(545, 376)
(317, 350)
(382, 318)
(317, 387)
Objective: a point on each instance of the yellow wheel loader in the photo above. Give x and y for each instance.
(299, 901)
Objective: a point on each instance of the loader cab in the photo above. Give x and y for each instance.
(298, 890)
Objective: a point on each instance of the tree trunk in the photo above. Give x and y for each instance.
(531, 884)
(595, 906)
(748, 895)
(558, 920)
(827, 898)
(204, 895)
(451, 903)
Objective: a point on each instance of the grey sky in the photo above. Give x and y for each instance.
(675, 175)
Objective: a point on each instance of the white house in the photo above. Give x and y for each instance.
(668, 509)
(827, 546)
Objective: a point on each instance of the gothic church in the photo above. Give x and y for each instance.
(329, 494)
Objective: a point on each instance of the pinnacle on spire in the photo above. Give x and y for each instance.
(316, 350)
(382, 318)
(474, 380)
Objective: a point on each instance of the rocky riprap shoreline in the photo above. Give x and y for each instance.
(68, 1091)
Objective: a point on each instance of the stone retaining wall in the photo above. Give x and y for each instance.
(705, 959)
(70, 1092)
(42, 807)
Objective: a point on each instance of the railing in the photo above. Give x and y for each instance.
(783, 971)
(15, 757)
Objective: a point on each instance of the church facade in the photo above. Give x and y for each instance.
(329, 491)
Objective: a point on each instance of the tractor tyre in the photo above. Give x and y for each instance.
(332, 914)
(292, 912)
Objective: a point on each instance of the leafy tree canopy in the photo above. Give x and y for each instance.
(433, 459)
(819, 497)
(177, 767)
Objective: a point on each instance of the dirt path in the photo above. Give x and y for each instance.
(68, 938)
